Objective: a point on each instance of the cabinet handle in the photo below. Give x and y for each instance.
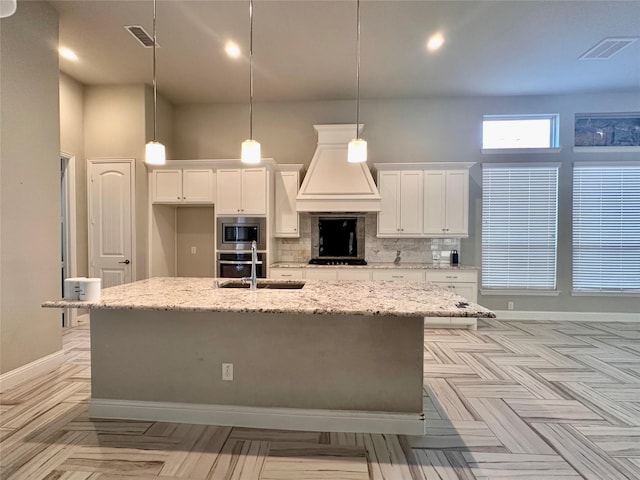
(286, 275)
(178, 198)
(450, 276)
(397, 276)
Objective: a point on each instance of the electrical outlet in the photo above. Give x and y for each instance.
(193, 250)
(227, 372)
(509, 305)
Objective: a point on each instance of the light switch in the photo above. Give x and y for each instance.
(193, 250)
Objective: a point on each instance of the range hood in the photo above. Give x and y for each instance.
(331, 183)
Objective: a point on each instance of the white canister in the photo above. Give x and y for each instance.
(90, 289)
(72, 288)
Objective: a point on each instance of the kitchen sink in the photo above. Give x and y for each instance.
(266, 284)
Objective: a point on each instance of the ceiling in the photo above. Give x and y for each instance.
(306, 49)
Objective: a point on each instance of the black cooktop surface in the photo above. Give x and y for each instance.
(337, 261)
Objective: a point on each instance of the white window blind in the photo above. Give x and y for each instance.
(606, 228)
(519, 226)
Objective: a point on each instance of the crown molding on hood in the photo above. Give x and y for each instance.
(331, 183)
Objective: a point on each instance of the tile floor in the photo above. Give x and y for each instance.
(512, 400)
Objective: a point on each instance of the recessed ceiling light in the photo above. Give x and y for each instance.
(68, 54)
(435, 42)
(232, 49)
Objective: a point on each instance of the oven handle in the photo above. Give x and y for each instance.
(230, 262)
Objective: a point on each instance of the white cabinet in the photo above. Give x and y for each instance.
(192, 186)
(446, 203)
(462, 282)
(286, 273)
(401, 206)
(321, 273)
(286, 219)
(399, 275)
(354, 274)
(241, 191)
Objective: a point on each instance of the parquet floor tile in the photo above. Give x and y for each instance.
(512, 400)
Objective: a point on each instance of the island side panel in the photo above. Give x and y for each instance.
(334, 362)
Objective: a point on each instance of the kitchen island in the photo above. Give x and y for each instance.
(330, 356)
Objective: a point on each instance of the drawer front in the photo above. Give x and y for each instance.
(452, 276)
(399, 275)
(321, 274)
(354, 274)
(286, 273)
(466, 290)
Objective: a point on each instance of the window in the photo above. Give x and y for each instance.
(519, 226)
(520, 131)
(606, 228)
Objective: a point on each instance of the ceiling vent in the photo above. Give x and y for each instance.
(141, 35)
(607, 48)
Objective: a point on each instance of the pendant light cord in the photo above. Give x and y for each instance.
(250, 69)
(155, 94)
(358, 70)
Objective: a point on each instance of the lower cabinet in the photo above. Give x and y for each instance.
(399, 275)
(287, 273)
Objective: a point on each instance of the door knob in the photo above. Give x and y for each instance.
(126, 262)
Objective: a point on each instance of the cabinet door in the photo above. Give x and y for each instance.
(286, 216)
(411, 194)
(457, 203)
(434, 202)
(228, 191)
(467, 290)
(389, 216)
(167, 186)
(254, 191)
(197, 186)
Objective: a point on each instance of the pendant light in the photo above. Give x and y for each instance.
(154, 150)
(7, 8)
(250, 148)
(357, 150)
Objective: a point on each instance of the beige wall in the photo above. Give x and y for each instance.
(30, 185)
(195, 227)
(115, 128)
(72, 143)
(417, 130)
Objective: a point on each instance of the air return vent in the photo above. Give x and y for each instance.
(607, 48)
(141, 35)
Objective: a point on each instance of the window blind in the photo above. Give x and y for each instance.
(519, 226)
(606, 228)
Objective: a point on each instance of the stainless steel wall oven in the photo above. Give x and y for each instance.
(238, 265)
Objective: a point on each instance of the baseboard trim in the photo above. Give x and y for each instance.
(568, 316)
(31, 370)
(260, 417)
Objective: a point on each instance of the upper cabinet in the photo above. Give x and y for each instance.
(401, 206)
(446, 203)
(241, 191)
(423, 200)
(183, 186)
(286, 219)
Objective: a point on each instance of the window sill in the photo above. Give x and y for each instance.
(606, 294)
(522, 292)
(631, 149)
(512, 151)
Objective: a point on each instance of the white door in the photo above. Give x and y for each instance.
(286, 215)
(254, 191)
(110, 192)
(457, 202)
(411, 192)
(389, 216)
(434, 202)
(229, 191)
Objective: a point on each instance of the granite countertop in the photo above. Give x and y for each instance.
(385, 298)
(377, 265)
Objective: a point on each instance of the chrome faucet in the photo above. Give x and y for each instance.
(254, 262)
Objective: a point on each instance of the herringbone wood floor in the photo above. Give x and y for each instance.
(512, 400)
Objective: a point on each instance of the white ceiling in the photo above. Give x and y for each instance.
(305, 49)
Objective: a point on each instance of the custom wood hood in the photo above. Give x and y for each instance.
(332, 184)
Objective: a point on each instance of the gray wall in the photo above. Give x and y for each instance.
(30, 185)
(72, 143)
(417, 130)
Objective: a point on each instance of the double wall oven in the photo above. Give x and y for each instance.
(234, 238)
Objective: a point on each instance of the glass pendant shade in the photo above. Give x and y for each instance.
(250, 151)
(155, 154)
(357, 151)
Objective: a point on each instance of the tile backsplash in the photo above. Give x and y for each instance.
(408, 250)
